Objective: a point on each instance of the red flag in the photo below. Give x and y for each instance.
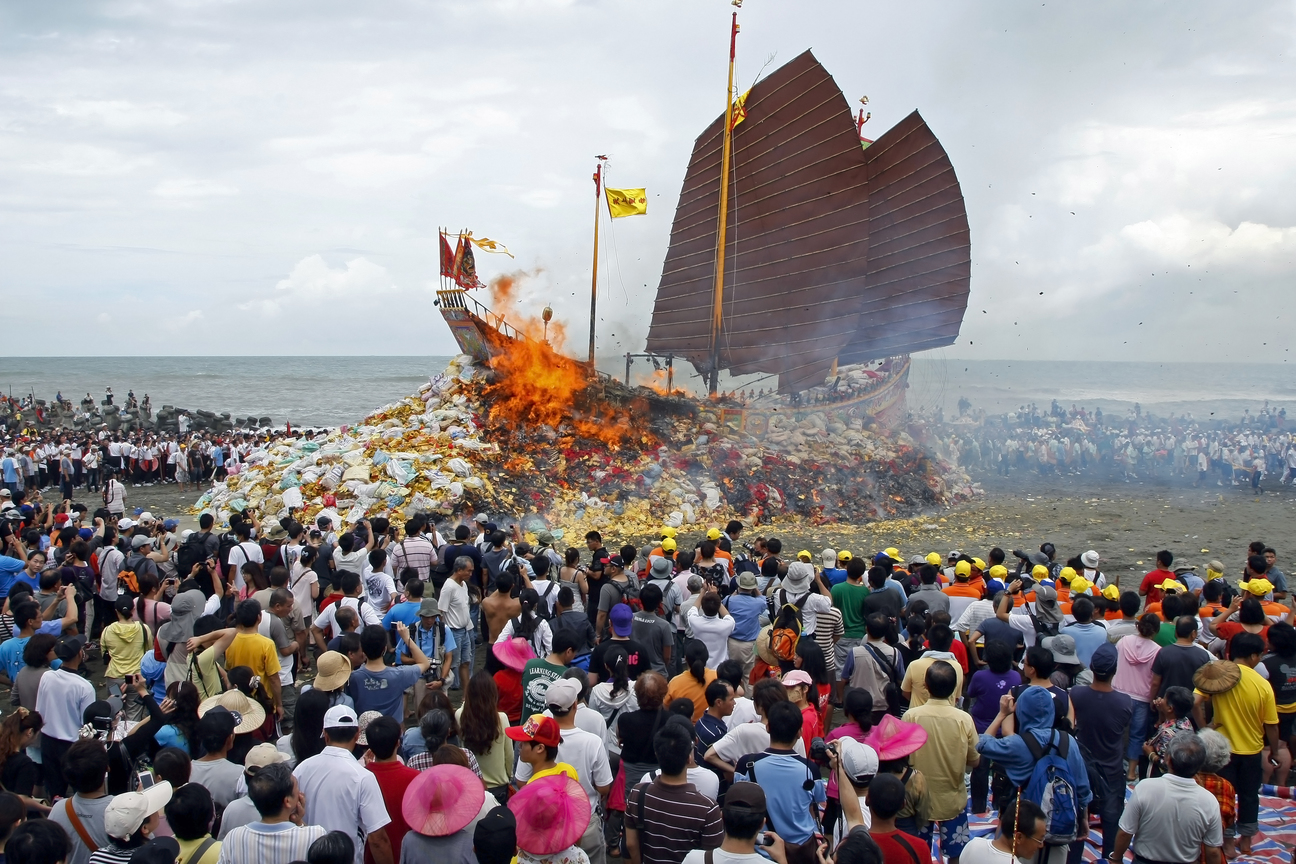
(466, 266)
(447, 259)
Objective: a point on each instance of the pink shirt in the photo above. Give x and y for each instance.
(1134, 672)
(846, 730)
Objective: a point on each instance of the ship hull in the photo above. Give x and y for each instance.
(885, 404)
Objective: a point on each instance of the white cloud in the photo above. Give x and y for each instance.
(313, 283)
(180, 322)
(1179, 238)
(88, 160)
(193, 188)
(120, 115)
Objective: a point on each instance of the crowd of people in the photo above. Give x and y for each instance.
(1135, 447)
(288, 691)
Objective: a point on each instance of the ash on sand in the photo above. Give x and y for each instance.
(532, 439)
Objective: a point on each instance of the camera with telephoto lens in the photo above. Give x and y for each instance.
(819, 751)
(433, 672)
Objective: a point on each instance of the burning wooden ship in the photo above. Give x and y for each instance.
(800, 251)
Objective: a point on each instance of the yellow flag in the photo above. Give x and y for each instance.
(739, 110)
(488, 245)
(627, 202)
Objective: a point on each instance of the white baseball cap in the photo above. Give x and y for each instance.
(340, 717)
(128, 811)
(125, 523)
(859, 760)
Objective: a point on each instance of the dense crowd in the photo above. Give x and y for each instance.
(378, 692)
(1137, 446)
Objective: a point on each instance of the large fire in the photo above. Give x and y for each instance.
(536, 386)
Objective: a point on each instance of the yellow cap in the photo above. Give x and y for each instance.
(668, 531)
(963, 568)
(668, 545)
(1172, 585)
(844, 555)
(1111, 592)
(1067, 574)
(1214, 570)
(892, 552)
(713, 534)
(1038, 572)
(978, 564)
(1259, 587)
(805, 555)
(999, 572)
(934, 559)
(1080, 585)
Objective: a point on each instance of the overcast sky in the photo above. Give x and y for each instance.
(246, 177)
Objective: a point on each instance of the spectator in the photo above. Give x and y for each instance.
(85, 765)
(259, 653)
(61, 700)
(876, 667)
(538, 674)
(333, 848)
(790, 781)
(442, 806)
(651, 630)
(1102, 714)
(951, 750)
(940, 638)
(1243, 709)
(280, 836)
(747, 607)
(743, 816)
(382, 736)
(38, 841)
(549, 818)
(711, 627)
(692, 682)
(242, 811)
(375, 686)
(1171, 818)
(668, 817)
(214, 770)
(482, 728)
(1134, 679)
(853, 765)
(189, 814)
(1177, 663)
(130, 821)
(886, 797)
(1020, 837)
(340, 793)
(1087, 633)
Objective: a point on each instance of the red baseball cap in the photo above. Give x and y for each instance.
(538, 728)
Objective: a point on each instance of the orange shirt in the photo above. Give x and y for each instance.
(962, 589)
(1154, 608)
(1113, 615)
(1275, 610)
(684, 685)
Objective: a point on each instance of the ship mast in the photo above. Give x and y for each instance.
(713, 379)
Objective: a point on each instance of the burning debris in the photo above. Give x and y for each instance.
(534, 438)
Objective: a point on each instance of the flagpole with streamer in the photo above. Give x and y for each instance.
(598, 194)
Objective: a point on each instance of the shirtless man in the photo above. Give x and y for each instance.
(499, 606)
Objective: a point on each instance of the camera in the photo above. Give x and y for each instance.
(433, 672)
(819, 751)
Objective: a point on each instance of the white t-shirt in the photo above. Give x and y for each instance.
(300, 583)
(585, 753)
(982, 851)
(357, 562)
(706, 781)
(746, 739)
(454, 605)
(719, 856)
(713, 631)
(246, 552)
(327, 619)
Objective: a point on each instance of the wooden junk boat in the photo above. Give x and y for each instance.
(842, 256)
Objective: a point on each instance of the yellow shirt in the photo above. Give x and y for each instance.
(1242, 712)
(915, 679)
(125, 642)
(949, 751)
(189, 847)
(559, 768)
(256, 651)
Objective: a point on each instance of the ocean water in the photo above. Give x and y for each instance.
(317, 391)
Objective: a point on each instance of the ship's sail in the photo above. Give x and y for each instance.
(799, 272)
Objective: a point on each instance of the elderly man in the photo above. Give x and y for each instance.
(1170, 818)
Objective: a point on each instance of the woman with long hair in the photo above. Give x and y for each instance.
(529, 625)
(692, 682)
(572, 575)
(18, 773)
(481, 727)
(613, 695)
(148, 608)
(125, 641)
(307, 738)
(180, 712)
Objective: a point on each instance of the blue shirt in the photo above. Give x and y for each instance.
(782, 775)
(9, 570)
(1088, 638)
(746, 611)
(406, 613)
(10, 466)
(834, 576)
(11, 652)
(426, 641)
(383, 691)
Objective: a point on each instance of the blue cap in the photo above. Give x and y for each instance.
(993, 587)
(85, 533)
(171, 524)
(139, 510)
(621, 616)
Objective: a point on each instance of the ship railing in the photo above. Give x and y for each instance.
(457, 298)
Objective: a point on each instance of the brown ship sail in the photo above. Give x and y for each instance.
(833, 251)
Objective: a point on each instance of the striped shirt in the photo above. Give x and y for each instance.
(416, 552)
(672, 820)
(259, 843)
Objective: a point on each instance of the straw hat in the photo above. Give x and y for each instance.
(332, 670)
(763, 649)
(552, 814)
(1217, 677)
(444, 799)
(248, 712)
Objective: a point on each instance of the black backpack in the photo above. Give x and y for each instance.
(228, 542)
(192, 551)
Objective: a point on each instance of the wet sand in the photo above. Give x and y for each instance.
(1125, 522)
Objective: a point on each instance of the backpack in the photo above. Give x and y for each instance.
(629, 591)
(543, 609)
(192, 551)
(1043, 629)
(785, 633)
(228, 542)
(1053, 788)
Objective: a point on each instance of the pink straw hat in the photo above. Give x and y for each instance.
(443, 800)
(514, 653)
(552, 814)
(893, 738)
